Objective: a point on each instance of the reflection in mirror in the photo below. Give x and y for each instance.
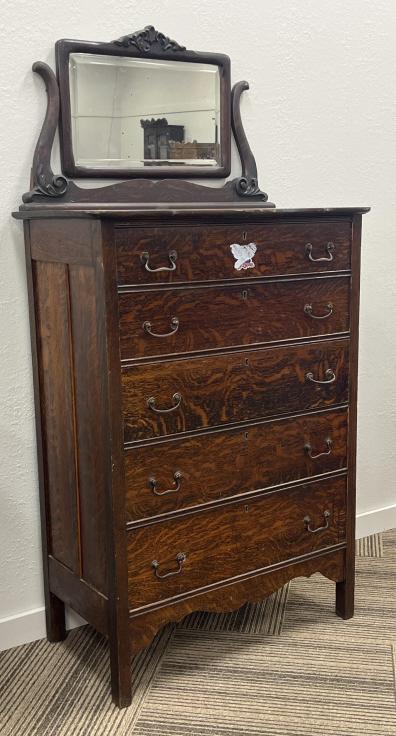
(129, 113)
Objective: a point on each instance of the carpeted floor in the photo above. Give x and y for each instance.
(285, 667)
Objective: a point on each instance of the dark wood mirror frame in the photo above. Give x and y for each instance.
(146, 44)
(131, 191)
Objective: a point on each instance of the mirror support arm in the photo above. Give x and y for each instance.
(43, 180)
(247, 184)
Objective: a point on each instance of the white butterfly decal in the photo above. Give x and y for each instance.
(243, 255)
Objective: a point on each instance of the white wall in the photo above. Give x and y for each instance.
(321, 118)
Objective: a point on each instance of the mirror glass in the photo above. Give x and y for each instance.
(130, 113)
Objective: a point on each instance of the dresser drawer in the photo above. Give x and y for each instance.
(166, 398)
(172, 557)
(166, 476)
(169, 321)
(182, 254)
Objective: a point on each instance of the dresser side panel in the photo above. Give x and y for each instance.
(57, 410)
(89, 362)
(62, 241)
(72, 367)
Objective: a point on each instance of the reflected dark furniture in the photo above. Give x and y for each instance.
(195, 365)
(194, 150)
(158, 137)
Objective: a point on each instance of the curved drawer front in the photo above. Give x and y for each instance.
(172, 557)
(182, 254)
(164, 477)
(166, 398)
(170, 321)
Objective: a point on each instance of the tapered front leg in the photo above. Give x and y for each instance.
(120, 665)
(55, 618)
(345, 599)
(345, 590)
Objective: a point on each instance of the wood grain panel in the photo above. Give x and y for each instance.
(229, 597)
(204, 254)
(77, 593)
(54, 240)
(54, 606)
(90, 425)
(231, 462)
(233, 540)
(57, 401)
(236, 387)
(211, 318)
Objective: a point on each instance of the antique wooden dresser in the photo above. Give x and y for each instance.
(195, 363)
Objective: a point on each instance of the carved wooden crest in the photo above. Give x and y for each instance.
(149, 40)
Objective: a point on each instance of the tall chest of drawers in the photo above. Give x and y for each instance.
(195, 409)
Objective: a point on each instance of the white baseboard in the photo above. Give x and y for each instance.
(30, 625)
(377, 520)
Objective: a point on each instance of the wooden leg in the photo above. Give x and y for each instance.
(345, 594)
(55, 618)
(345, 599)
(120, 665)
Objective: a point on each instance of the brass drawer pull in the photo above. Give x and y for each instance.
(180, 559)
(174, 323)
(329, 445)
(330, 377)
(172, 255)
(177, 399)
(307, 522)
(308, 309)
(329, 248)
(178, 479)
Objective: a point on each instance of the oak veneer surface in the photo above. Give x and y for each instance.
(203, 253)
(226, 463)
(237, 387)
(238, 538)
(71, 390)
(232, 594)
(56, 387)
(210, 318)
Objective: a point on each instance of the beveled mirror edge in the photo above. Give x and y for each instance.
(146, 44)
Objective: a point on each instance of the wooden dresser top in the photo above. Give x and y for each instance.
(154, 211)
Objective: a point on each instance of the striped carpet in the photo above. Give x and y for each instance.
(285, 667)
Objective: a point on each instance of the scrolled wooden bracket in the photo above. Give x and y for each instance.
(247, 184)
(44, 182)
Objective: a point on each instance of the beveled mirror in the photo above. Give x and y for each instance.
(143, 106)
